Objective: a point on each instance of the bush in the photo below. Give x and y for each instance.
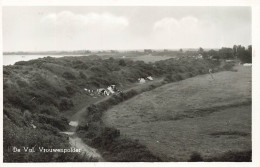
(228, 66)
(49, 110)
(125, 150)
(68, 75)
(195, 157)
(58, 122)
(82, 75)
(92, 109)
(27, 116)
(169, 78)
(106, 137)
(71, 91)
(233, 156)
(83, 126)
(65, 104)
(22, 83)
(122, 62)
(15, 116)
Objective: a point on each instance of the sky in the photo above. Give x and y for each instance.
(124, 28)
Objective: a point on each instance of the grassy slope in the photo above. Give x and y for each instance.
(159, 119)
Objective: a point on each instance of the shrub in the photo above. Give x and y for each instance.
(233, 156)
(92, 109)
(82, 75)
(83, 126)
(71, 91)
(195, 157)
(228, 66)
(15, 116)
(27, 116)
(169, 78)
(106, 137)
(58, 122)
(131, 93)
(49, 110)
(68, 75)
(6, 71)
(122, 62)
(22, 83)
(65, 104)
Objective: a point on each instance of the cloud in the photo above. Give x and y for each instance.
(67, 17)
(92, 30)
(187, 31)
(169, 23)
(66, 21)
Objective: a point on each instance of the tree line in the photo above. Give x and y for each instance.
(237, 52)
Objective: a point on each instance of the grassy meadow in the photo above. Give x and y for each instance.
(199, 114)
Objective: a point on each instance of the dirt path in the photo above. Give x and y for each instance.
(75, 119)
(77, 143)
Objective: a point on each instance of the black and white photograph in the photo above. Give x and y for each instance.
(127, 83)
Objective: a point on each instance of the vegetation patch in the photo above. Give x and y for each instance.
(233, 156)
(229, 133)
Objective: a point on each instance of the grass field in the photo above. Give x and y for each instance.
(148, 58)
(198, 114)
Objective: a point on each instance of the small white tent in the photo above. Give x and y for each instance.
(141, 80)
(110, 89)
(150, 78)
(74, 123)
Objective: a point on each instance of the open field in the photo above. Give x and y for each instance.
(148, 58)
(198, 114)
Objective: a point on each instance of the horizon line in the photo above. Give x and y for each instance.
(173, 49)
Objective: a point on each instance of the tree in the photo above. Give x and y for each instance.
(201, 50)
(122, 62)
(235, 51)
(250, 49)
(148, 51)
(240, 52)
(245, 55)
(226, 53)
(213, 54)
